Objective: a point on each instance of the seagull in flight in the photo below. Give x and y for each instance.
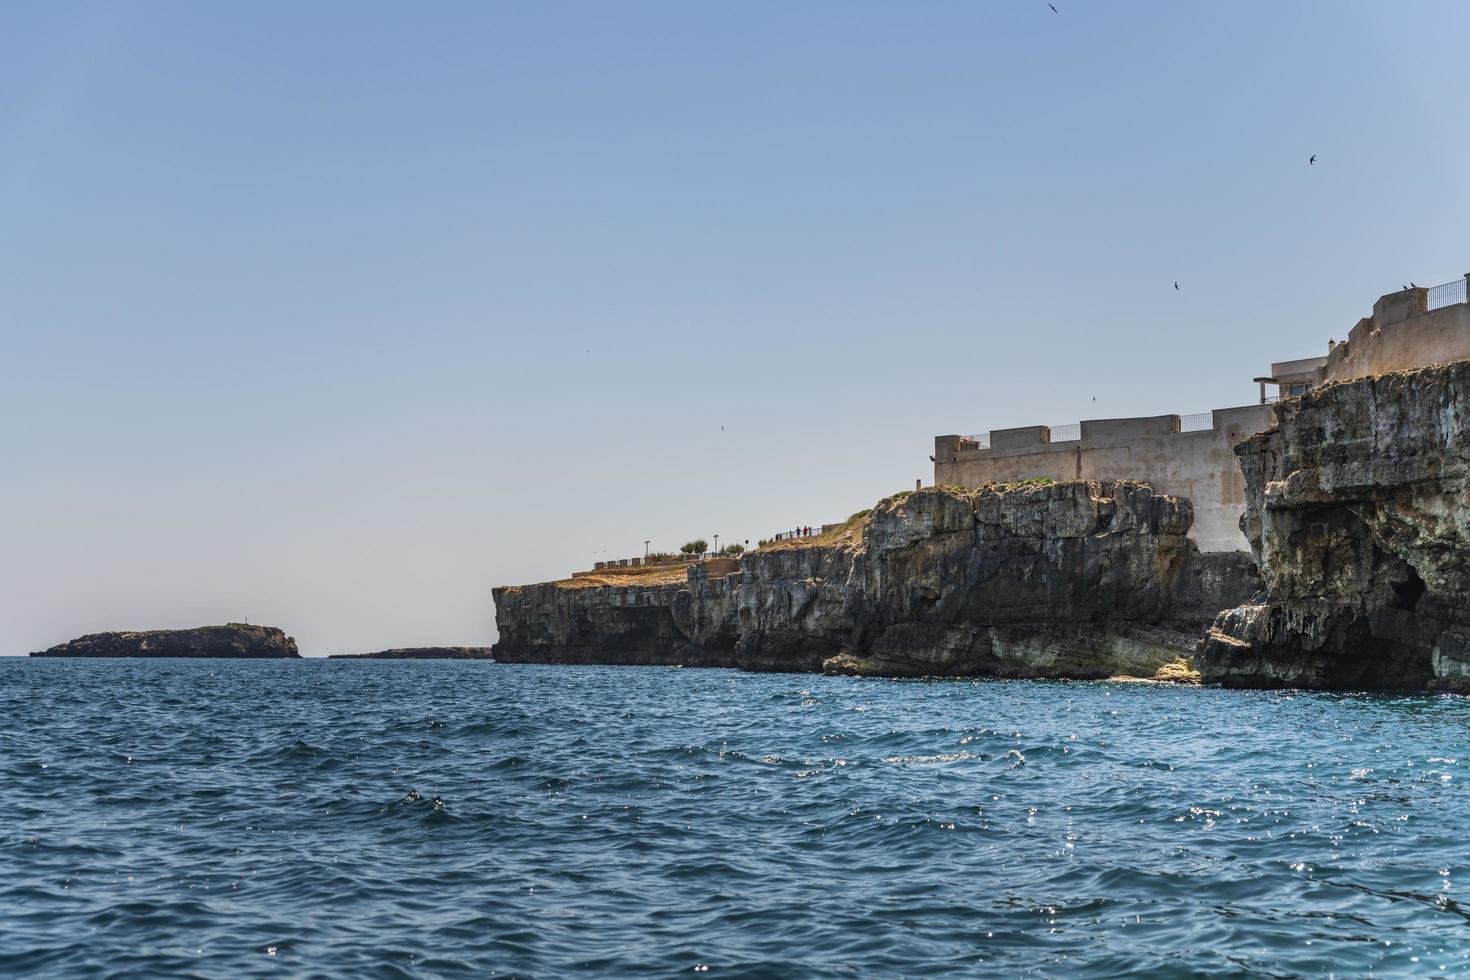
(1053, 8)
(1312, 160)
(1176, 285)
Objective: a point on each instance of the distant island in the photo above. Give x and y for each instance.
(419, 653)
(232, 640)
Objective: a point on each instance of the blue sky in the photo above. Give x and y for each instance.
(335, 315)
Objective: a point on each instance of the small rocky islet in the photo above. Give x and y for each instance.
(418, 653)
(232, 641)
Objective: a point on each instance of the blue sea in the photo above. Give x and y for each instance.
(425, 819)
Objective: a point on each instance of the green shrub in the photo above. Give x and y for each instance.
(696, 547)
(765, 541)
(733, 549)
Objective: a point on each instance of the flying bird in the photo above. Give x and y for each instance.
(1176, 286)
(1312, 160)
(1053, 8)
(1413, 284)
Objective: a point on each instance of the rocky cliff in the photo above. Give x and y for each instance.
(1078, 579)
(1359, 511)
(232, 640)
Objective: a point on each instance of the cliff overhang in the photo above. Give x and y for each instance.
(1358, 509)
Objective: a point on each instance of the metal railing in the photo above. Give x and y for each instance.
(1197, 422)
(1066, 433)
(1446, 294)
(788, 535)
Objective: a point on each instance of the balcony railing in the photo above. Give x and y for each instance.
(1197, 422)
(1066, 433)
(1446, 294)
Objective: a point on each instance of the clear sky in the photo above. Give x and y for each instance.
(333, 316)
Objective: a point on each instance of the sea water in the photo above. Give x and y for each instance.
(286, 818)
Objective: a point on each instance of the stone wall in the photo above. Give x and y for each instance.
(1200, 465)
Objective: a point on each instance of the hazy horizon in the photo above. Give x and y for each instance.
(333, 318)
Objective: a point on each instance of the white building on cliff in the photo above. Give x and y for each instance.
(1193, 455)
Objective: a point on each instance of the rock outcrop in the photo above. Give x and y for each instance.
(419, 653)
(235, 640)
(1358, 508)
(1079, 579)
(580, 621)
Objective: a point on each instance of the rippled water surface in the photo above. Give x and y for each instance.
(232, 818)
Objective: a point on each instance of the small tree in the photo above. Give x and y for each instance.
(696, 547)
(733, 549)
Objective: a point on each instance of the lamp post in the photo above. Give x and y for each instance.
(645, 551)
(717, 544)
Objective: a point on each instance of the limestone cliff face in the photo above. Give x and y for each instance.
(235, 640)
(1079, 579)
(689, 623)
(1359, 511)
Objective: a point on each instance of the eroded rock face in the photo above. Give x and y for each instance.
(690, 623)
(235, 640)
(1078, 579)
(1358, 507)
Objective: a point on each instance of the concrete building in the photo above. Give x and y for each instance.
(1412, 328)
(1193, 455)
(1187, 456)
(1292, 378)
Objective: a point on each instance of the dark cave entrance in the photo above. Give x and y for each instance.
(1408, 592)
